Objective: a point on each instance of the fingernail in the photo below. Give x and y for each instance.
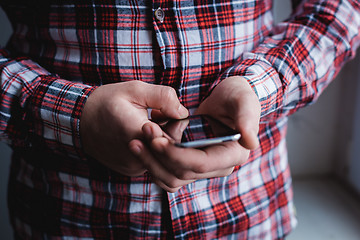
(147, 131)
(183, 112)
(136, 150)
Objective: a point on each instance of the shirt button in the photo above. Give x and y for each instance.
(159, 14)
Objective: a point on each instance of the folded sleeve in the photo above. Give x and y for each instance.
(293, 65)
(39, 108)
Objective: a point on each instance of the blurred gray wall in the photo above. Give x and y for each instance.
(5, 151)
(321, 137)
(324, 138)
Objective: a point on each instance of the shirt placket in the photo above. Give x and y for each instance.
(167, 37)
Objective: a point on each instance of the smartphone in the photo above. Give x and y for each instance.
(199, 131)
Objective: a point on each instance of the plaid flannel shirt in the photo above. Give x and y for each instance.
(60, 52)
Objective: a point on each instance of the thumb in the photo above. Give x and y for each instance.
(247, 115)
(164, 99)
(249, 133)
(247, 123)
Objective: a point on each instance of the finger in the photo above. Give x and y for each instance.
(176, 128)
(162, 98)
(209, 159)
(246, 121)
(172, 130)
(152, 130)
(183, 172)
(163, 177)
(249, 136)
(171, 181)
(157, 116)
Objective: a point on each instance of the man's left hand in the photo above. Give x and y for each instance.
(235, 103)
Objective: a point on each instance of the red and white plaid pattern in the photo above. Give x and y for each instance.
(56, 192)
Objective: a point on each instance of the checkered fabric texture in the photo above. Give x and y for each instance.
(61, 51)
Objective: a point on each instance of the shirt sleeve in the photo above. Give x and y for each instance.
(38, 108)
(293, 65)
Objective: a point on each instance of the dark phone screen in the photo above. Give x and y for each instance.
(195, 128)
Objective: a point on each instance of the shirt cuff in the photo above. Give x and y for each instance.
(263, 79)
(56, 108)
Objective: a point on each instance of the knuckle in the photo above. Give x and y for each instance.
(202, 168)
(179, 174)
(172, 190)
(131, 85)
(136, 83)
(183, 175)
(173, 183)
(135, 87)
(168, 93)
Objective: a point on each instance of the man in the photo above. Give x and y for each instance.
(77, 80)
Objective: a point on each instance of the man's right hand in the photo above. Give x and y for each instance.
(114, 115)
